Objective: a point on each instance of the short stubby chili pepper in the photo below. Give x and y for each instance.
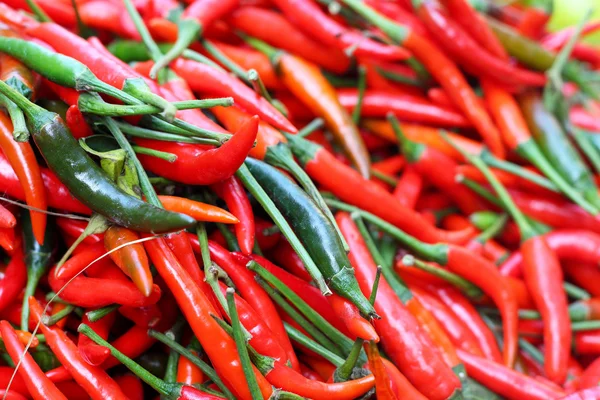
(131, 259)
(267, 25)
(201, 165)
(319, 236)
(38, 384)
(7, 219)
(410, 108)
(340, 179)
(22, 158)
(443, 70)
(402, 337)
(94, 380)
(209, 80)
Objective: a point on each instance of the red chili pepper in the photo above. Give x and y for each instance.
(58, 195)
(401, 13)
(590, 376)
(439, 97)
(219, 347)
(92, 353)
(22, 158)
(401, 335)
(188, 373)
(38, 384)
(285, 256)
(383, 383)
(233, 193)
(578, 245)
(197, 210)
(583, 119)
(7, 219)
(76, 123)
(409, 186)
(216, 164)
(14, 279)
(94, 380)
(349, 314)
(233, 118)
(61, 13)
(205, 12)
(147, 316)
(74, 228)
(131, 259)
(340, 179)
(234, 266)
(505, 381)
(308, 16)
(378, 103)
(131, 386)
(267, 25)
(532, 22)
(209, 80)
(310, 374)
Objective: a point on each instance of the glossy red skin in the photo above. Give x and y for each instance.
(404, 341)
(409, 186)
(131, 385)
(56, 10)
(206, 79)
(58, 196)
(284, 255)
(14, 279)
(200, 164)
(410, 108)
(233, 193)
(576, 245)
(205, 12)
(505, 381)
(91, 352)
(94, 380)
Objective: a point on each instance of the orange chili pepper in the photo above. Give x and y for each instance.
(197, 210)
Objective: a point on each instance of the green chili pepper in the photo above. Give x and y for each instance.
(554, 142)
(85, 179)
(315, 231)
(130, 50)
(38, 258)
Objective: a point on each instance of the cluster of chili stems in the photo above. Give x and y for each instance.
(297, 199)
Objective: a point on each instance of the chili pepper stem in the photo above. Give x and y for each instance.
(312, 126)
(140, 90)
(20, 131)
(98, 314)
(40, 14)
(321, 350)
(188, 31)
(96, 224)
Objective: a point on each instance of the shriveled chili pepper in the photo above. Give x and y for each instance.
(401, 335)
(216, 164)
(267, 25)
(38, 384)
(14, 278)
(506, 381)
(22, 158)
(93, 379)
(325, 169)
(378, 103)
(132, 259)
(442, 69)
(319, 236)
(37, 259)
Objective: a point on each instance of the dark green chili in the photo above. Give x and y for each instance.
(315, 231)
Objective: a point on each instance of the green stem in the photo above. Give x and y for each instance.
(261, 196)
(464, 285)
(20, 131)
(493, 230)
(576, 292)
(188, 31)
(230, 238)
(531, 350)
(98, 314)
(312, 126)
(50, 320)
(394, 77)
(137, 131)
(40, 14)
(304, 340)
(231, 65)
(163, 155)
(390, 180)
(157, 384)
(586, 145)
(394, 31)
(585, 326)
(204, 367)
(240, 343)
(171, 369)
(204, 250)
(362, 85)
(151, 45)
(195, 56)
(138, 88)
(96, 224)
(517, 170)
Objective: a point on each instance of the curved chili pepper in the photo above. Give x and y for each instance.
(105, 291)
(94, 380)
(468, 51)
(22, 159)
(219, 347)
(206, 79)
(307, 83)
(340, 179)
(378, 103)
(456, 330)
(401, 335)
(14, 278)
(506, 381)
(356, 324)
(108, 16)
(318, 236)
(38, 384)
(90, 351)
(76, 123)
(131, 259)
(197, 210)
(187, 372)
(216, 164)
(7, 219)
(442, 69)
(233, 118)
(267, 25)
(383, 383)
(308, 16)
(578, 245)
(232, 192)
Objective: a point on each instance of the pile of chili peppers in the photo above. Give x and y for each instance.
(256, 199)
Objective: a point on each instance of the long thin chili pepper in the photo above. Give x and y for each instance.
(38, 384)
(325, 169)
(401, 335)
(22, 158)
(443, 70)
(266, 25)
